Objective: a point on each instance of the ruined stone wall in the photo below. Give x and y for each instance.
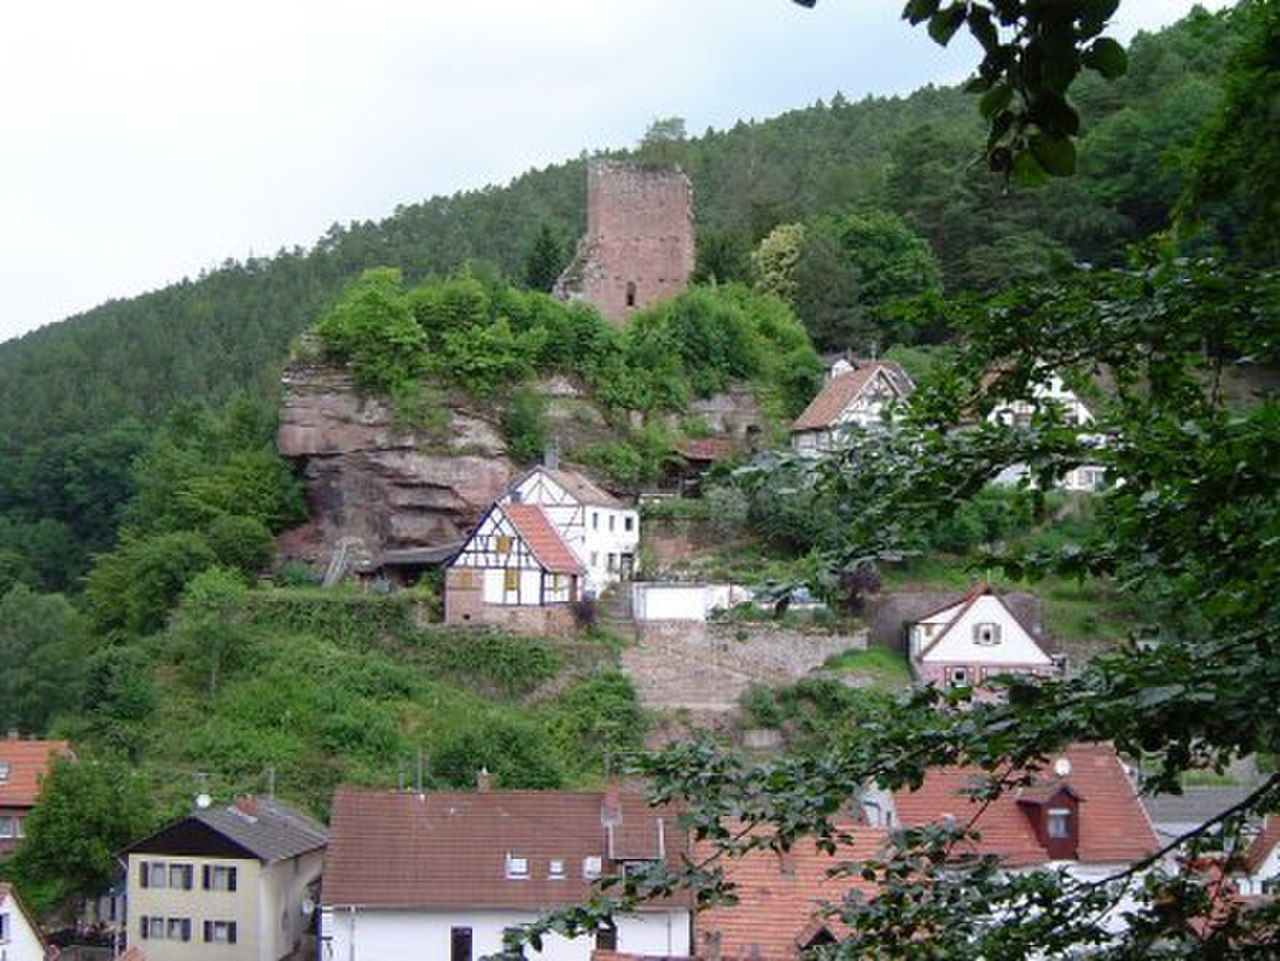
(638, 248)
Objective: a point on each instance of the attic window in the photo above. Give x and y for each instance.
(1058, 823)
(517, 867)
(503, 544)
(555, 869)
(986, 633)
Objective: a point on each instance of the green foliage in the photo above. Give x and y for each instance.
(211, 623)
(241, 543)
(44, 640)
(372, 327)
(599, 722)
(490, 663)
(88, 813)
(132, 590)
(349, 618)
(545, 261)
(518, 754)
(524, 426)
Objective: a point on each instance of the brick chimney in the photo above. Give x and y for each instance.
(611, 805)
(484, 781)
(247, 805)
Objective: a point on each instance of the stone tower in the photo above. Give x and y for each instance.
(638, 248)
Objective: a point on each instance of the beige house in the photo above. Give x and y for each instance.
(225, 884)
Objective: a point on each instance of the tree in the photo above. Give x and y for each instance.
(88, 812)
(44, 639)
(663, 142)
(545, 261)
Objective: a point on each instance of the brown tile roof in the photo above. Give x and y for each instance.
(704, 448)
(28, 762)
(1263, 844)
(449, 849)
(542, 538)
(780, 896)
(584, 490)
(840, 391)
(1113, 823)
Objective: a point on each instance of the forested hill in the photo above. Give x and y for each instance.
(77, 397)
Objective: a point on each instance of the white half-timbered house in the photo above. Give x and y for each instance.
(515, 569)
(1052, 392)
(858, 395)
(602, 532)
(972, 639)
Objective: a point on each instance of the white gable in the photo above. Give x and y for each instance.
(984, 632)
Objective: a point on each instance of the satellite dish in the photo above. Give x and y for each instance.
(203, 801)
(1062, 767)
(308, 907)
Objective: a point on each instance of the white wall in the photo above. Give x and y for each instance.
(1015, 647)
(652, 601)
(21, 943)
(386, 935)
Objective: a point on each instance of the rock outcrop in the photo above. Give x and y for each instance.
(367, 477)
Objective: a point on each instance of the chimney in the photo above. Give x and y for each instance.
(484, 781)
(247, 805)
(551, 455)
(611, 805)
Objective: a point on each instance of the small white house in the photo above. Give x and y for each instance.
(1261, 874)
(20, 939)
(444, 874)
(602, 532)
(516, 570)
(1052, 392)
(972, 639)
(859, 395)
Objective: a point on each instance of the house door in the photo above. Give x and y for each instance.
(626, 566)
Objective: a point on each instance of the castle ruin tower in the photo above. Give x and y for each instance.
(638, 248)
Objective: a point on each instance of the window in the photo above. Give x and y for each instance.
(8, 827)
(510, 579)
(986, 633)
(517, 867)
(178, 929)
(153, 874)
(459, 944)
(1058, 824)
(4, 771)
(959, 677)
(180, 876)
(595, 558)
(607, 938)
(555, 583)
(4, 928)
(591, 868)
(502, 544)
(219, 877)
(151, 926)
(595, 520)
(555, 869)
(613, 562)
(220, 932)
(631, 293)
(611, 521)
(628, 523)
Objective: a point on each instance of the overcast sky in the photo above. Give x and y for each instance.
(146, 140)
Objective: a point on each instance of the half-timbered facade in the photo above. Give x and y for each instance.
(859, 395)
(514, 560)
(601, 531)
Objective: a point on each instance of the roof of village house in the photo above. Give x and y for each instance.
(1173, 814)
(704, 448)
(450, 848)
(1263, 844)
(961, 607)
(781, 896)
(24, 764)
(261, 828)
(580, 487)
(542, 538)
(841, 391)
(1113, 824)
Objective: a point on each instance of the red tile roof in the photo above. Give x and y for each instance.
(1114, 826)
(1263, 844)
(704, 448)
(542, 538)
(449, 849)
(840, 391)
(781, 896)
(582, 488)
(28, 762)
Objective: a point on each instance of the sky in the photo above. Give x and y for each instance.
(144, 141)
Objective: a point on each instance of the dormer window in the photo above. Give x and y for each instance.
(1058, 823)
(517, 867)
(986, 633)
